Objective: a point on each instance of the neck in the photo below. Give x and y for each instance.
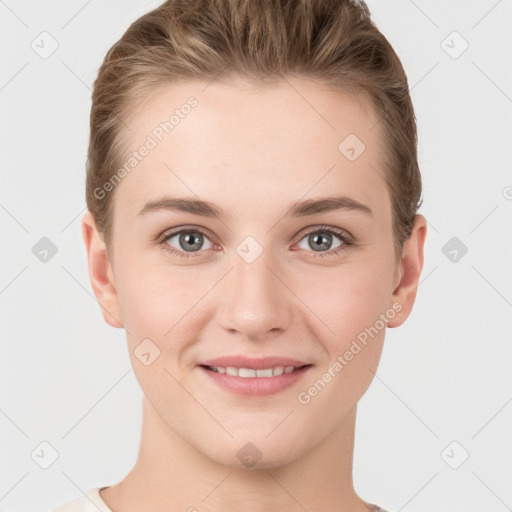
(170, 474)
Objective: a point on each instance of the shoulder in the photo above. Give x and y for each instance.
(89, 502)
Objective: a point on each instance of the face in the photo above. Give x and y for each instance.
(262, 272)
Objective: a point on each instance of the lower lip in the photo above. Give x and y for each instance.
(255, 386)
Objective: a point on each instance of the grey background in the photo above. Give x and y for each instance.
(444, 376)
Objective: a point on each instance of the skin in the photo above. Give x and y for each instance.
(252, 151)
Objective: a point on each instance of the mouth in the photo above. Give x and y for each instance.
(254, 382)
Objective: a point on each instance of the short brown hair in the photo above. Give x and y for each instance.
(332, 41)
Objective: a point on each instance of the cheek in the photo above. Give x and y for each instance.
(156, 296)
(157, 304)
(350, 303)
(346, 299)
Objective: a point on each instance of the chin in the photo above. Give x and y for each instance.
(254, 452)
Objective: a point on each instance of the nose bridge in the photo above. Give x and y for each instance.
(255, 302)
(251, 273)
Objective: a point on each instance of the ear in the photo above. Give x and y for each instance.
(409, 271)
(100, 272)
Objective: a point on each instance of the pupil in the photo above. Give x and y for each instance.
(321, 240)
(188, 240)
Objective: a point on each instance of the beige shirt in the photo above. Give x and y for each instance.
(89, 502)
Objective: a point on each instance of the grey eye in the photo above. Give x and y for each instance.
(189, 241)
(320, 241)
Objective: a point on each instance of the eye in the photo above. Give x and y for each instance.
(185, 242)
(321, 239)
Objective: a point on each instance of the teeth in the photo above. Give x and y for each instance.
(250, 372)
(246, 372)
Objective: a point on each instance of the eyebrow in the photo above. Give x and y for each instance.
(297, 209)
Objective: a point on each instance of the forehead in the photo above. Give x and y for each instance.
(250, 144)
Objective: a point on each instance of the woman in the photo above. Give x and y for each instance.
(253, 189)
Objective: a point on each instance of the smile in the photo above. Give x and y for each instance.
(252, 373)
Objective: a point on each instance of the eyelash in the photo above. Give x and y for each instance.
(345, 237)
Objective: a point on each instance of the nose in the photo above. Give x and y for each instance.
(256, 303)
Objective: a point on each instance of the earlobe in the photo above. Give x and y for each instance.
(409, 272)
(100, 272)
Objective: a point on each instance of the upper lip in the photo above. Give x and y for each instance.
(255, 363)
